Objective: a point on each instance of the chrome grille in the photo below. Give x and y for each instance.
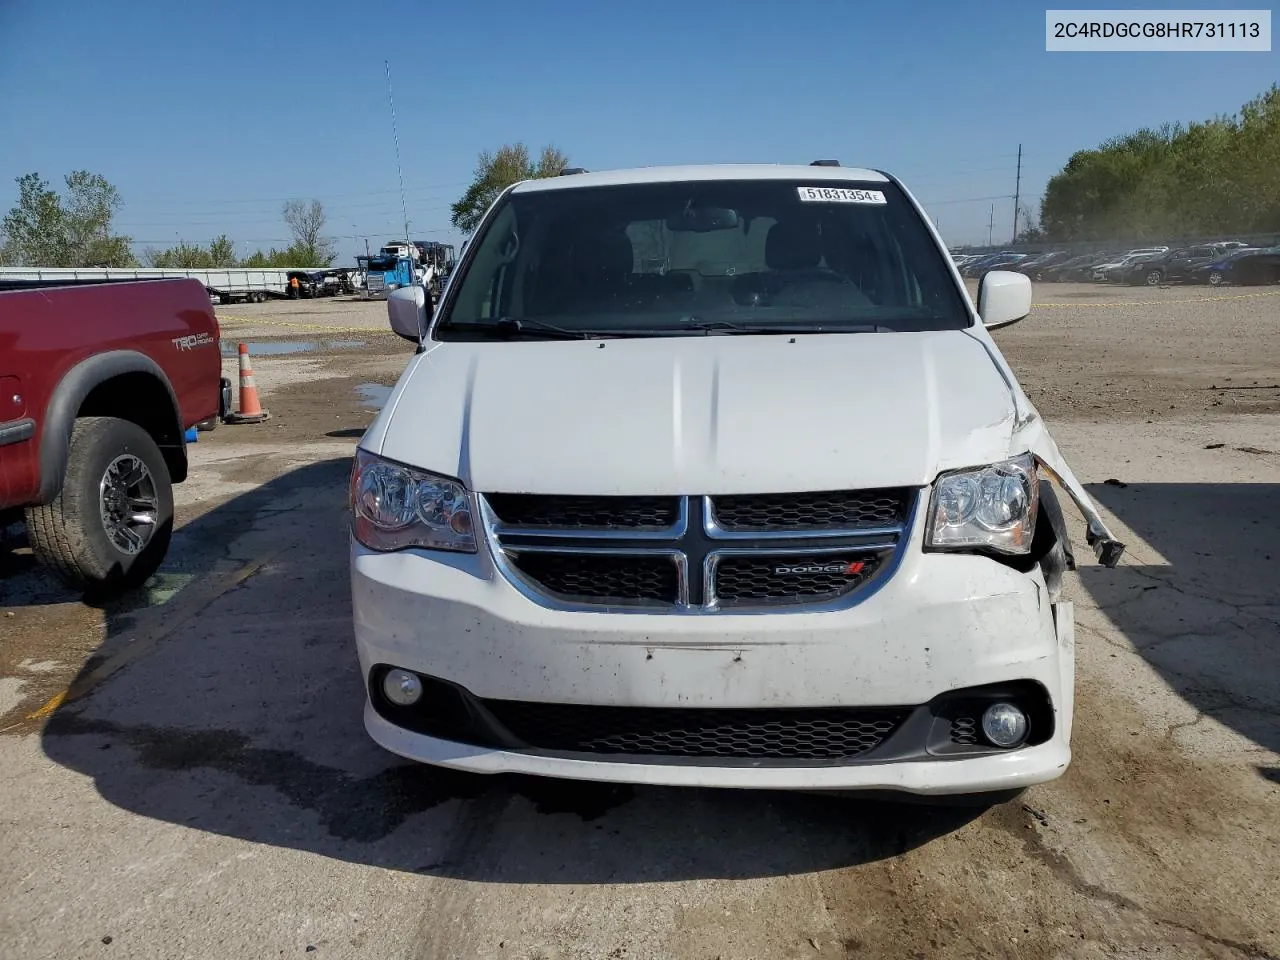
(676, 554)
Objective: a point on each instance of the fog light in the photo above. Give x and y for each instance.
(402, 688)
(1004, 725)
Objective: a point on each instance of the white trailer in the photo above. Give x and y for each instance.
(227, 284)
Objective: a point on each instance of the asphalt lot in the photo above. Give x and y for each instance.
(186, 774)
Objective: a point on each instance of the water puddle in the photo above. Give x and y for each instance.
(276, 348)
(373, 394)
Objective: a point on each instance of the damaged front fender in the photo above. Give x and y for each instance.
(1033, 436)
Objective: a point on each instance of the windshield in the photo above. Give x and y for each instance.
(666, 258)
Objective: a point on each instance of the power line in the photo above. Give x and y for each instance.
(941, 203)
(321, 193)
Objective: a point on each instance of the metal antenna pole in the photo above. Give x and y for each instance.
(991, 223)
(396, 136)
(1017, 193)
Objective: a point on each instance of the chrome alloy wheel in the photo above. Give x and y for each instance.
(128, 505)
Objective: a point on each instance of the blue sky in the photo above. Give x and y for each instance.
(206, 116)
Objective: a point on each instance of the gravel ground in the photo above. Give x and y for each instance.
(211, 791)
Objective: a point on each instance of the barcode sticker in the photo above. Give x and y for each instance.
(839, 195)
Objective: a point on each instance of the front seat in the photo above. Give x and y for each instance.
(796, 276)
(793, 246)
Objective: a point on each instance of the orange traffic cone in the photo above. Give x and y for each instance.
(250, 406)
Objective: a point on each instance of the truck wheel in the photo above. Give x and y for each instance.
(108, 529)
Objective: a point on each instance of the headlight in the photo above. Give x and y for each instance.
(394, 507)
(992, 507)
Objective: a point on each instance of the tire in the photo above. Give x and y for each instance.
(1216, 278)
(70, 535)
(204, 426)
(1154, 277)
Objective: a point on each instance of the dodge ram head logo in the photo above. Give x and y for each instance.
(837, 567)
(193, 340)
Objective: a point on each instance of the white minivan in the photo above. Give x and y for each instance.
(713, 476)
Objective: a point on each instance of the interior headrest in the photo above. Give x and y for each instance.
(793, 245)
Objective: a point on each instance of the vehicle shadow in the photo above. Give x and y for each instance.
(1209, 619)
(239, 713)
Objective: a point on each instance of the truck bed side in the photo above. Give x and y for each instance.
(144, 351)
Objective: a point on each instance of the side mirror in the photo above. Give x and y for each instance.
(409, 310)
(1004, 297)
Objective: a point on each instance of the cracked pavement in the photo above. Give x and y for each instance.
(208, 790)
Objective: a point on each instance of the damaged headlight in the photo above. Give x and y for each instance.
(992, 507)
(394, 506)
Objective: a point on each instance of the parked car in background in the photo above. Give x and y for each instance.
(1244, 266)
(99, 383)
(1082, 267)
(1102, 272)
(1034, 265)
(995, 261)
(1171, 267)
(1060, 270)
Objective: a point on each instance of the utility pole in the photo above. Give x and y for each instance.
(1017, 193)
(991, 222)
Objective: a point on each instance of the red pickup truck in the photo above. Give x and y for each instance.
(99, 384)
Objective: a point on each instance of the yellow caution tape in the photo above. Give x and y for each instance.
(1158, 303)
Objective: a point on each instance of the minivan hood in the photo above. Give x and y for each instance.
(715, 414)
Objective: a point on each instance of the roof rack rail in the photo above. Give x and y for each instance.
(570, 171)
(825, 163)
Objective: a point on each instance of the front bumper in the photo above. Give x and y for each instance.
(940, 623)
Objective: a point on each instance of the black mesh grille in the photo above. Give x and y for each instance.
(814, 734)
(964, 731)
(746, 579)
(846, 509)
(522, 509)
(601, 577)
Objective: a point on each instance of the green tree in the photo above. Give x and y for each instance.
(184, 256)
(1215, 177)
(1028, 227)
(72, 230)
(310, 246)
(295, 255)
(497, 171)
(222, 252)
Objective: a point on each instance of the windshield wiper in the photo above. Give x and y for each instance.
(711, 327)
(512, 328)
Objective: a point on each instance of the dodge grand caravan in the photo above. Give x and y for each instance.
(714, 476)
